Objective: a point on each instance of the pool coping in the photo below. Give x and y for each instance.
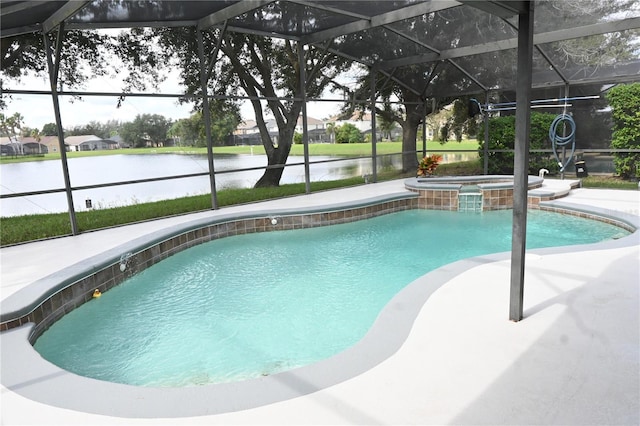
(386, 336)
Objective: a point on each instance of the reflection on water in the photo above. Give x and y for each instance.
(43, 175)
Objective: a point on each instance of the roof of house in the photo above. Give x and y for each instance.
(271, 123)
(4, 140)
(247, 124)
(44, 140)
(310, 121)
(77, 140)
(356, 116)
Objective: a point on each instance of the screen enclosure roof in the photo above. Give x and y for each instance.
(434, 48)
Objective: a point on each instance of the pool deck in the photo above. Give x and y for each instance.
(573, 359)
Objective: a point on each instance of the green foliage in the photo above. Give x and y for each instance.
(502, 134)
(188, 131)
(102, 130)
(225, 117)
(146, 127)
(463, 168)
(81, 56)
(50, 129)
(459, 122)
(444, 133)
(386, 126)
(348, 133)
(9, 124)
(625, 104)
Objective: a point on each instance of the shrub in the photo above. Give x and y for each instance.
(348, 133)
(625, 104)
(428, 165)
(502, 135)
(297, 138)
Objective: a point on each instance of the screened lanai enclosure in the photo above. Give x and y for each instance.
(406, 60)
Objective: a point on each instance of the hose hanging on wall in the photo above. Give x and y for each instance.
(563, 141)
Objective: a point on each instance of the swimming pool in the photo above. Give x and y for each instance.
(245, 318)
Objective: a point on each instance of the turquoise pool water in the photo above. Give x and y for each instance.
(258, 304)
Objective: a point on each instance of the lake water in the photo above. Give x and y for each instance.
(46, 175)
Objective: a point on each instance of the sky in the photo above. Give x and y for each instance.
(37, 110)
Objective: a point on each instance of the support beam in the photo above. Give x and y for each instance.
(552, 64)
(436, 51)
(542, 38)
(504, 9)
(432, 74)
(53, 78)
(19, 7)
(564, 148)
(374, 138)
(231, 12)
(379, 20)
(485, 115)
(261, 33)
(69, 9)
(467, 74)
(58, 50)
(305, 128)
(542, 53)
(206, 113)
(328, 8)
(129, 24)
(424, 128)
(521, 162)
(214, 54)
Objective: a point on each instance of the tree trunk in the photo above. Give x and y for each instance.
(409, 135)
(277, 157)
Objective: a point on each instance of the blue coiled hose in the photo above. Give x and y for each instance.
(562, 141)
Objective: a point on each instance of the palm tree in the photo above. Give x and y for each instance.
(17, 120)
(35, 133)
(331, 131)
(9, 125)
(386, 126)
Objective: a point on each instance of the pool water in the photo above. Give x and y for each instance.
(257, 304)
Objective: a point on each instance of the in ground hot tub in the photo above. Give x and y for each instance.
(468, 193)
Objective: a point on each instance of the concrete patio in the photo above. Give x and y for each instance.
(574, 359)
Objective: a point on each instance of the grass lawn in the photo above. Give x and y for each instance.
(17, 229)
(608, 182)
